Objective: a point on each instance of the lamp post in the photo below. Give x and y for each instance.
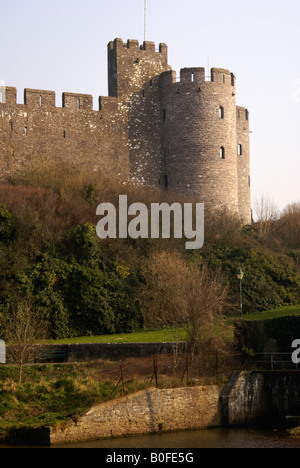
(240, 275)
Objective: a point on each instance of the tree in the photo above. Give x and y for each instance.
(22, 330)
(183, 295)
(265, 213)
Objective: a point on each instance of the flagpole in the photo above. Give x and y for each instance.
(145, 21)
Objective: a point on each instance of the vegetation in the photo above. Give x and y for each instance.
(290, 311)
(51, 257)
(81, 289)
(49, 396)
(159, 335)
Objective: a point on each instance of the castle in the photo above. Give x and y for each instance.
(185, 135)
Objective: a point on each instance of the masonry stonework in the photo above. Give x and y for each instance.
(148, 411)
(184, 135)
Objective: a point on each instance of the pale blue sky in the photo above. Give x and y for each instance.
(61, 46)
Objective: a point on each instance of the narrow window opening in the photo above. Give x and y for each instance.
(224, 79)
(221, 112)
(240, 150)
(40, 101)
(143, 93)
(64, 134)
(78, 104)
(166, 181)
(247, 115)
(1, 97)
(239, 114)
(12, 126)
(222, 152)
(164, 115)
(151, 83)
(26, 131)
(192, 77)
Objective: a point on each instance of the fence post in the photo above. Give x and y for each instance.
(187, 370)
(272, 362)
(217, 367)
(154, 371)
(123, 386)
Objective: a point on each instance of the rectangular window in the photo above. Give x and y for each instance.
(240, 150)
(25, 131)
(40, 101)
(1, 97)
(164, 115)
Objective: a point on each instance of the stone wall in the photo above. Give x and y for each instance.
(275, 335)
(58, 353)
(151, 129)
(199, 119)
(249, 398)
(145, 412)
(243, 401)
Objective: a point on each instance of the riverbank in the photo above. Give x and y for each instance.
(155, 410)
(67, 403)
(53, 395)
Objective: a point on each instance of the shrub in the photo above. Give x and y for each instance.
(7, 225)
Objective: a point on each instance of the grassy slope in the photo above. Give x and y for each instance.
(149, 336)
(273, 314)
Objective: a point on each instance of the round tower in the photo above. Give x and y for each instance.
(199, 136)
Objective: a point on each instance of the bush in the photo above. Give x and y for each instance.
(270, 281)
(7, 225)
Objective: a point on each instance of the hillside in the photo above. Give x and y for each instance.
(51, 257)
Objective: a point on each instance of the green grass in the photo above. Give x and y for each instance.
(49, 396)
(276, 313)
(143, 336)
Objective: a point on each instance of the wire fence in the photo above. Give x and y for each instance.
(186, 369)
(173, 370)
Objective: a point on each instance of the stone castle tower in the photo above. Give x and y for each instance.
(184, 134)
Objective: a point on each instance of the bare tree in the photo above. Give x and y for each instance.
(183, 295)
(265, 213)
(22, 330)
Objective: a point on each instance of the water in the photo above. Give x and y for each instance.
(239, 437)
(210, 438)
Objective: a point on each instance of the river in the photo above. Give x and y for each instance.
(210, 438)
(238, 437)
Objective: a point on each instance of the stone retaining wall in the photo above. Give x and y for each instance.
(145, 412)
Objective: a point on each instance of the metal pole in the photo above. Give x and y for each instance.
(145, 21)
(241, 299)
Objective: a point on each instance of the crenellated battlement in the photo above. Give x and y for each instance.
(196, 76)
(134, 45)
(182, 133)
(38, 99)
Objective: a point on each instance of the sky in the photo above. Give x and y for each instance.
(62, 46)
